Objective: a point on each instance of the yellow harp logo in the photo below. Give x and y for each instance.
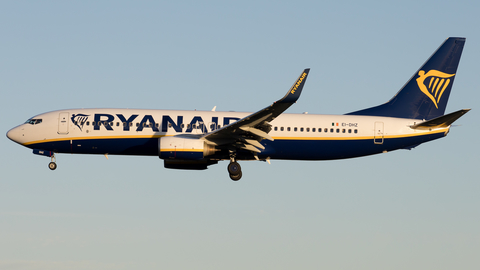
(433, 83)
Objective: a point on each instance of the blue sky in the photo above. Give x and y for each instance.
(415, 209)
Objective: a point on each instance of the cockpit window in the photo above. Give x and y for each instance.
(33, 121)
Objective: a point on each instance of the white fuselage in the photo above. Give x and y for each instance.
(296, 136)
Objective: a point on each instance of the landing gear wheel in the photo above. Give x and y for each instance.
(236, 177)
(234, 169)
(52, 165)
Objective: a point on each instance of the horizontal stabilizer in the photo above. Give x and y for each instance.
(442, 121)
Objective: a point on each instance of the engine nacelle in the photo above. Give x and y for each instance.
(181, 148)
(188, 164)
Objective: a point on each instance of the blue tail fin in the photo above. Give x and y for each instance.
(425, 95)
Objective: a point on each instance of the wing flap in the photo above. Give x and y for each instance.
(257, 132)
(249, 148)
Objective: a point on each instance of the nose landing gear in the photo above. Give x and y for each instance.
(52, 165)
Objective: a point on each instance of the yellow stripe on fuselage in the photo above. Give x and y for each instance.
(349, 138)
(97, 138)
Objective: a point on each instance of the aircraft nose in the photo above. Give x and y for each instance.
(15, 134)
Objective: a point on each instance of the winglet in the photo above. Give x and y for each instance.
(294, 92)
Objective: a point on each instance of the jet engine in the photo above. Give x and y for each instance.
(184, 148)
(185, 153)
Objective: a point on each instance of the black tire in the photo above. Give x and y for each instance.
(236, 177)
(234, 168)
(52, 165)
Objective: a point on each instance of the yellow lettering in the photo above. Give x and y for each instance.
(298, 83)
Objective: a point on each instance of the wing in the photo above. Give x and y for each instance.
(247, 132)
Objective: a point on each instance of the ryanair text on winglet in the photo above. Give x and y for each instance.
(298, 83)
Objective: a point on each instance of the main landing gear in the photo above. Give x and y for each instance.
(234, 170)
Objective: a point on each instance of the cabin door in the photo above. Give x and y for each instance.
(63, 123)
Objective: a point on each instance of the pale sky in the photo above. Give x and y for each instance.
(417, 209)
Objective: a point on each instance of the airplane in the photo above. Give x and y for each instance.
(194, 140)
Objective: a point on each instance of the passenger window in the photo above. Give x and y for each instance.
(118, 124)
(281, 128)
(332, 130)
(308, 129)
(131, 124)
(88, 123)
(313, 129)
(288, 128)
(343, 130)
(349, 131)
(325, 130)
(301, 129)
(183, 125)
(355, 131)
(138, 124)
(295, 129)
(93, 123)
(169, 125)
(275, 128)
(156, 125)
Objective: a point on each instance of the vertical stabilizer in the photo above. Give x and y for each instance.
(426, 94)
